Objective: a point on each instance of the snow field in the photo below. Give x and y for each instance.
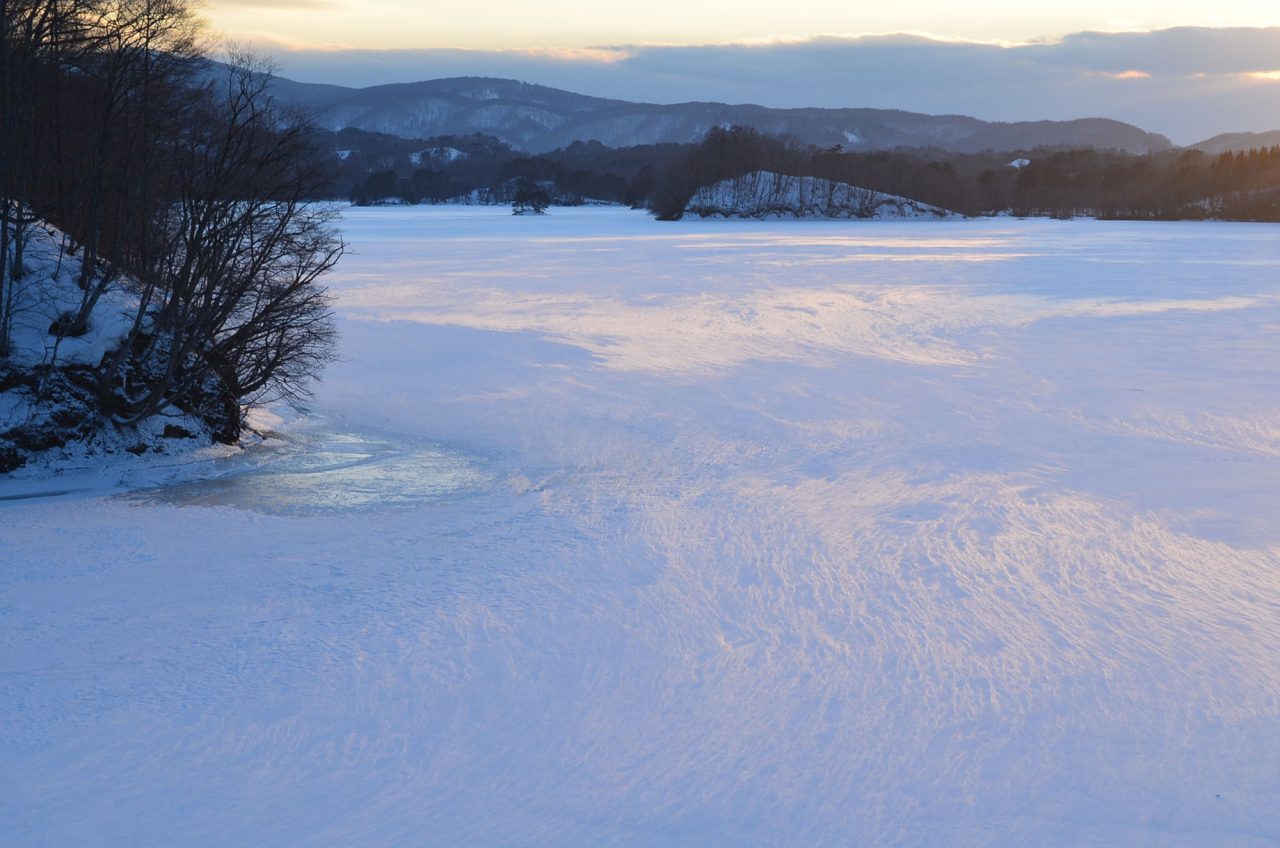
(798, 533)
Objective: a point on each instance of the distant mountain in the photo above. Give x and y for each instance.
(1234, 142)
(537, 119)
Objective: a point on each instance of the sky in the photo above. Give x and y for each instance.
(1186, 69)
(498, 24)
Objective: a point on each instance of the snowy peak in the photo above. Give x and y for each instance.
(763, 194)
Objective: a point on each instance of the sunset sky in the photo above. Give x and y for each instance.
(496, 24)
(1186, 69)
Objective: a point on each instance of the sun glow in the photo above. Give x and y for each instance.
(501, 24)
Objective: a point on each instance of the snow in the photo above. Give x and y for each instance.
(484, 93)
(717, 532)
(50, 291)
(762, 194)
(446, 154)
(439, 154)
(501, 194)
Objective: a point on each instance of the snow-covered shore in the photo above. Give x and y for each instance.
(49, 423)
(955, 533)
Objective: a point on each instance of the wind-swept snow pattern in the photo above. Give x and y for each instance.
(957, 533)
(764, 194)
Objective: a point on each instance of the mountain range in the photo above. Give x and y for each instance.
(537, 119)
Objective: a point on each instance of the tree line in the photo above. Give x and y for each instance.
(368, 168)
(174, 178)
(1186, 184)
(1177, 184)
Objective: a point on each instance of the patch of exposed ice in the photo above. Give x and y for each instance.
(318, 472)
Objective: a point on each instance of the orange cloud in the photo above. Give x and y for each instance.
(606, 55)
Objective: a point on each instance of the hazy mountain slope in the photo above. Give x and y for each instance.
(1238, 141)
(308, 94)
(537, 118)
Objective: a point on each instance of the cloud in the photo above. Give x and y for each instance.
(600, 55)
(1187, 82)
(1125, 75)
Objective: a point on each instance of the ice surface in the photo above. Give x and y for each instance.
(316, 472)
(793, 533)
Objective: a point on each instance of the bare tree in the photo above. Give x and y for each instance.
(192, 192)
(31, 34)
(138, 58)
(234, 310)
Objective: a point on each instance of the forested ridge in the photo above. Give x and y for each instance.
(1168, 185)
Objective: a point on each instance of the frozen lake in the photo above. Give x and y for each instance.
(612, 532)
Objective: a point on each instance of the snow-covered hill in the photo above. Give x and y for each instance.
(763, 194)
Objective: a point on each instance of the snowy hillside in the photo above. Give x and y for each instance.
(45, 416)
(763, 194)
(52, 266)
